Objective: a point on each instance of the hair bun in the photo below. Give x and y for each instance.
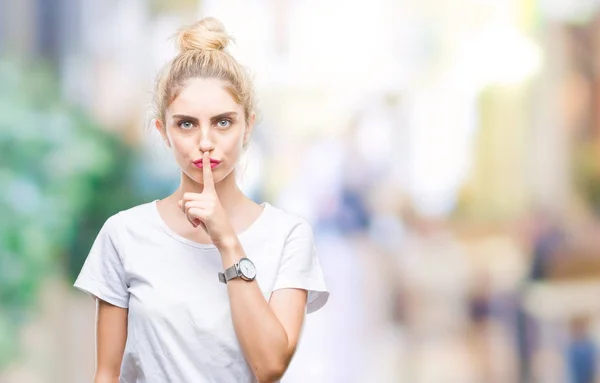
(207, 34)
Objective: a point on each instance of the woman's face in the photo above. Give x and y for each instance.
(205, 118)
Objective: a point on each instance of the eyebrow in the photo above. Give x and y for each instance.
(212, 119)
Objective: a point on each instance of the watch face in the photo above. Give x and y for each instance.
(247, 269)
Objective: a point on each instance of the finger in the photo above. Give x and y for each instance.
(186, 206)
(209, 184)
(200, 204)
(190, 219)
(189, 196)
(201, 225)
(197, 216)
(186, 198)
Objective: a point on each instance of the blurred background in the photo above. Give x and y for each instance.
(447, 154)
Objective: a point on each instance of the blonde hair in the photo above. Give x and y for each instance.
(202, 53)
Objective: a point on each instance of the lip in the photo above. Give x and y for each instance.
(213, 163)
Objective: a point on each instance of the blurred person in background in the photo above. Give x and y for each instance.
(581, 352)
(547, 236)
(204, 285)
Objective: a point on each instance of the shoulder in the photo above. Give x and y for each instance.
(129, 218)
(291, 224)
(143, 211)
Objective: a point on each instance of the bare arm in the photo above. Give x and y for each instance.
(268, 332)
(111, 335)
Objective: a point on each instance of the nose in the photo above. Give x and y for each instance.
(206, 143)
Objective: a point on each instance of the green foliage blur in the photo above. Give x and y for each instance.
(61, 176)
(586, 171)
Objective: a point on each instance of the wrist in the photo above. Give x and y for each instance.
(228, 245)
(231, 254)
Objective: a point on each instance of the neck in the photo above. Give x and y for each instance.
(227, 189)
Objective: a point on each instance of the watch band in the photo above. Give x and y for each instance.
(229, 274)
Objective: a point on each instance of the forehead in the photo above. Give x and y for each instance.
(203, 97)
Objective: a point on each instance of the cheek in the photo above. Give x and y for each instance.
(181, 147)
(181, 153)
(233, 144)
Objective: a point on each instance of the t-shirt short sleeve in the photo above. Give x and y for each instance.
(300, 268)
(103, 274)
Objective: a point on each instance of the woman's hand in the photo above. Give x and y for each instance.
(205, 210)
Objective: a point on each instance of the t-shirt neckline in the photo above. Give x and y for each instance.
(189, 242)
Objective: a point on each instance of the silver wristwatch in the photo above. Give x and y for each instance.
(244, 269)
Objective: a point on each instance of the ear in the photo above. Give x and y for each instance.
(249, 127)
(163, 132)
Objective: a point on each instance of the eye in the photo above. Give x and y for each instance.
(185, 125)
(224, 123)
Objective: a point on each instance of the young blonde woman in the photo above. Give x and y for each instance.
(204, 285)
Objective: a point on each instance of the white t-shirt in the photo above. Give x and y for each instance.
(179, 321)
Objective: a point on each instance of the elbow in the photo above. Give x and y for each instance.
(107, 375)
(272, 373)
(272, 366)
(270, 376)
(106, 378)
